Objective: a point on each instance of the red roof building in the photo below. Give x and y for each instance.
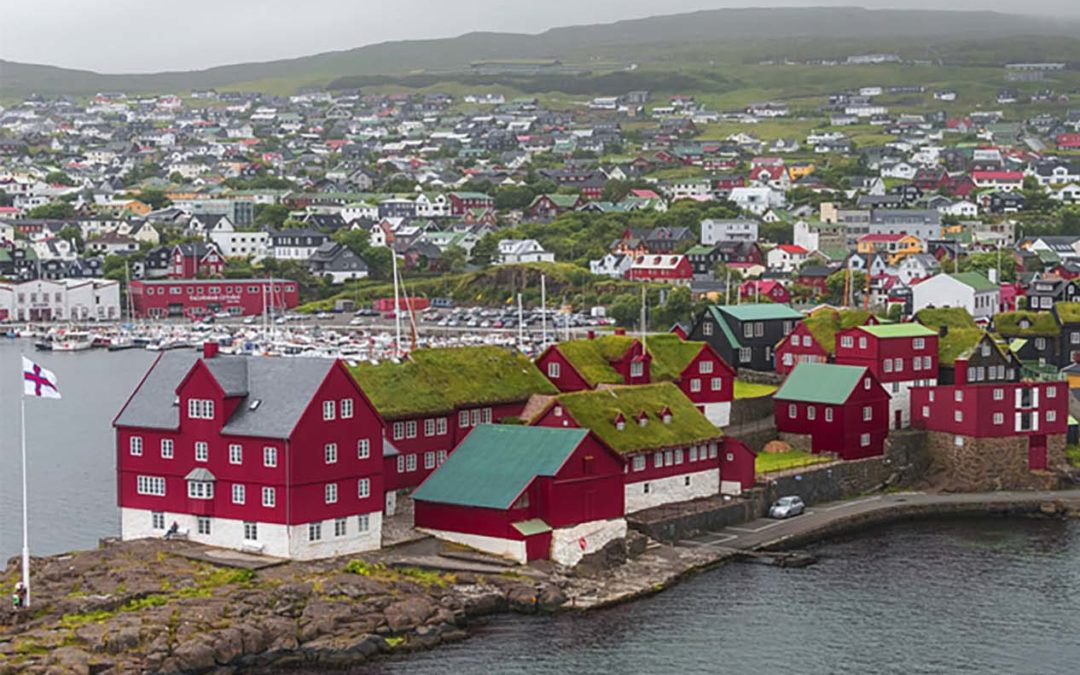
(754, 289)
(1068, 141)
(277, 456)
(196, 260)
(672, 269)
(199, 298)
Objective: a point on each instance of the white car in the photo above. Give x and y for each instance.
(786, 507)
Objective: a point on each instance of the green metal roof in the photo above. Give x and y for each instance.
(975, 280)
(899, 330)
(758, 312)
(820, 383)
(496, 462)
(531, 527)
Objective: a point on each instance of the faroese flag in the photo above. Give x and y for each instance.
(39, 382)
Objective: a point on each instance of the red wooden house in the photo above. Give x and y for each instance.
(900, 356)
(755, 289)
(673, 269)
(842, 409)
(672, 452)
(1067, 141)
(199, 298)
(527, 493)
(431, 400)
(814, 339)
(695, 367)
(196, 259)
(1015, 427)
(463, 202)
(279, 456)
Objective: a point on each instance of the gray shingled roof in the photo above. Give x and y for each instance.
(283, 386)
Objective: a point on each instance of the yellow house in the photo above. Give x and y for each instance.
(797, 171)
(895, 246)
(137, 207)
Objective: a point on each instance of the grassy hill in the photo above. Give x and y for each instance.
(663, 43)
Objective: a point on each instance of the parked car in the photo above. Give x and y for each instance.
(786, 507)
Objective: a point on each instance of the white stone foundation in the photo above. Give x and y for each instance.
(718, 413)
(567, 543)
(279, 541)
(730, 487)
(506, 548)
(671, 489)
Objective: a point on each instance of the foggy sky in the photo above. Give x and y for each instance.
(156, 35)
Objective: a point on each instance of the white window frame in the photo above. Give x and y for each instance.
(202, 451)
(270, 457)
(363, 488)
(236, 453)
(269, 497)
(330, 453)
(363, 448)
(238, 493)
(135, 444)
(347, 408)
(168, 448)
(330, 493)
(440, 426)
(152, 486)
(553, 370)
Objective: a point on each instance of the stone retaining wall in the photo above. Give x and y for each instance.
(978, 464)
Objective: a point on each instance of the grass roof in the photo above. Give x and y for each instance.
(953, 317)
(956, 343)
(670, 355)
(1068, 312)
(597, 410)
(1011, 324)
(824, 324)
(438, 380)
(592, 358)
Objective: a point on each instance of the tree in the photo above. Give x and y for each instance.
(293, 224)
(838, 281)
(380, 265)
(778, 233)
(53, 211)
(513, 197)
(485, 250)
(453, 259)
(73, 234)
(358, 241)
(399, 184)
(626, 310)
(984, 262)
(676, 308)
(271, 215)
(155, 198)
(59, 178)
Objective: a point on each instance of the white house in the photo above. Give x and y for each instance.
(613, 265)
(786, 257)
(513, 251)
(756, 200)
(739, 229)
(63, 300)
(238, 244)
(960, 208)
(969, 290)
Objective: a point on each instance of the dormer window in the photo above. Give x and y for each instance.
(620, 422)
(642, 419)
(665, 414)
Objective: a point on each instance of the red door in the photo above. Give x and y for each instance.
(1037, 453)
(538, 546)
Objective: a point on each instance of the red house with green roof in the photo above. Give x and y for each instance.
(672, 453)
(432, 399)
(527, 493)
(814, 340)
(695, 367)
(900, 356)
(842, 409)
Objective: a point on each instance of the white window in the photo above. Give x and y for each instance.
(745, 355)
(203, 525)
(792, 411)
(238, 494)
(251, 531)
(330, 453)
(269, 457)
(200, 489)
(364, 522)
(363, 448)
(888, 365)
(899, 364)
(150, 485)
(706, 328)
(440, 426)
(429, 427)
(1051, 416)
(669, 458)
(705, 367)
(748, 330)
(926, 363)
(236, 454)
(678, 456)
(328, 411)
(363, 488)
(717, 384)
(339, 527)
(693, 453)
(553, 370)
(269, 497)
(867, 413)
(314, 531)
(330, 493)
(637, 369)
(999, 394)
(919, 343)
(847, 341)
(200, 409)
(202, 451)
(346, 408)
(713, 450)
(399, 431)
(157, 520)
(811, 412)
(463, 418)
(999, 418)
(410, 463)
(828, 414)
(862, 343)
(474, 417)
(410, 429)
(864, 440)
(136, 446)
(959, 396)
(658, 460)
(926, 411)
(429, 460)
(401, 464)
(695, 385)
(166, 448)
(1051, 392)
(440, 457)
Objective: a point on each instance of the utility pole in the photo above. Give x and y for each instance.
(543, 312)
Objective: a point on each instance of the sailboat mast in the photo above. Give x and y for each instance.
(397, 304)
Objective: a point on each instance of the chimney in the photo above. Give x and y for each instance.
(993, 275)
(620, 331)
(210, 349)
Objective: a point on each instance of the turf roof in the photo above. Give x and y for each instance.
(953, 317)
(899, 330)
(957, 342)
(670, 355)
(1068, 312)
(592, 358)
(1008, 324)
(824, 324)
(597, 410)
(439, 380)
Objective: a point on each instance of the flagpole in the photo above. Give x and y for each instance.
(25, 520)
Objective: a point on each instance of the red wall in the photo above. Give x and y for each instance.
(815, 353)
(978, 407)
(842, 435)
(720, 369)
(877, 350)
(150, 299)
(741, 465)
(569, 379)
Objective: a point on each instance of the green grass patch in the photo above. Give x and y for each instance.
(782, 461)
(1072, 454)
(752, 389)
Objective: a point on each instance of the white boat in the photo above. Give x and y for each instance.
(72, 342)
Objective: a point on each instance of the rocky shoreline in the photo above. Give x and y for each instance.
(150, 607)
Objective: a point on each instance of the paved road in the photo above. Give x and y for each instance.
(764, 532)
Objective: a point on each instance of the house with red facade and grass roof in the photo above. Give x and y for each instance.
(527, 493)
(695, 367)
(671, 451)
(814, 339)
(840, 409)
(434, 397)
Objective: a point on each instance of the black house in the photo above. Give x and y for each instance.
(745, 335)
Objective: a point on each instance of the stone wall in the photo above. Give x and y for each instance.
(802, 442)
(759, 376)
(746, 411)
(966, 463)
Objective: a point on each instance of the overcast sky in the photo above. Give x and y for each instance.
(154, 35)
